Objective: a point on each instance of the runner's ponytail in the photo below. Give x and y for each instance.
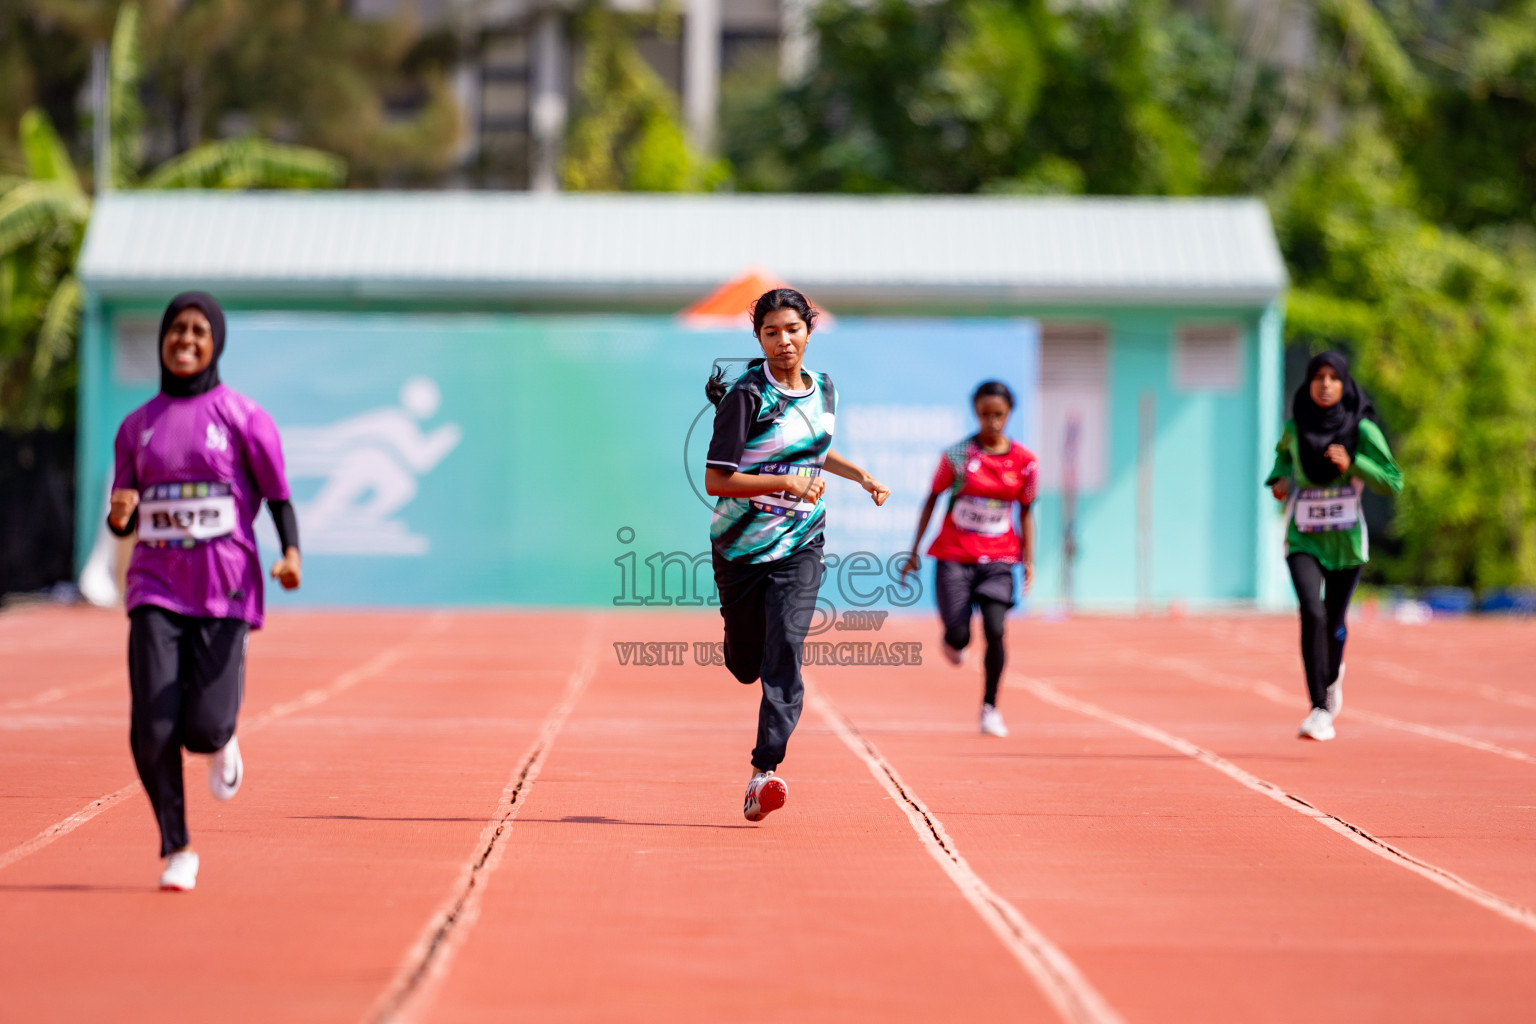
(716, 387)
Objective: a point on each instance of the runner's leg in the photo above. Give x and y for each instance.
(994, 615)
(952, 582)
(992, 591)
(154, 671)
(791, 604)
(1307, 576)
(215, 683)
(743, 591)
(1340, 587)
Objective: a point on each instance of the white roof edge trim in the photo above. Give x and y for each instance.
(470, 245)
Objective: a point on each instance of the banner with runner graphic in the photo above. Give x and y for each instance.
(472, 460)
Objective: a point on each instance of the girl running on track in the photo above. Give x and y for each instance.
(193, 465)
(772, 439)
(986, 476)
(1327, 450)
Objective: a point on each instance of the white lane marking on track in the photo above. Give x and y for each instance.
(410, 992)
(60, 692)
(1063, 985)
(348, 679)
(1505, 908)
(1397, 672)
(1275, 694)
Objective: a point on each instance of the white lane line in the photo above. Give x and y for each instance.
(1412, 677)
(1274, 694)
(60, 829)
(60, 692)
(1505, 908)
(1393, 671)
(1074, 998)
(415, 983)
(348, 679)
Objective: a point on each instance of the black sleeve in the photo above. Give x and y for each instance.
(132, 524)
(733, 417)
(286, 522)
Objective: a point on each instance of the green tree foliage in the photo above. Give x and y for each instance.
(626, 133)
(1399, 162)
(42, 222)
(43, 216)
(305, 71)
(299, 71)
(990, 95)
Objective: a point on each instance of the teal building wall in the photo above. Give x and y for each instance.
(574, 429)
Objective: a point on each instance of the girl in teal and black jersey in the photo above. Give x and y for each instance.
(772, 439)
(1328, 451)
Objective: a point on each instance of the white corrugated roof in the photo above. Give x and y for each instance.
(657, 249)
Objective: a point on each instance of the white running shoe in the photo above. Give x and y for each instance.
(1318, 725)
(765, 793)
(954, 655)
(226, 770)
(1335, 698)
(180, 874)
(992, 721)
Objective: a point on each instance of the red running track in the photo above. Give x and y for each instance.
(458, 816)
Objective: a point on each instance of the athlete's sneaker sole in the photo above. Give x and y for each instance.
(770, 796)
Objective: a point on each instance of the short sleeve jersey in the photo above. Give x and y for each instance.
(211, 456)
(763, 427)
(983, 490)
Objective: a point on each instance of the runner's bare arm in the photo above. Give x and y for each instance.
(725, 483)
(839, 466)
(1027, 545)
(913, 562)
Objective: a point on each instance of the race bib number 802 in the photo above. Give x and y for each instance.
(185, 514)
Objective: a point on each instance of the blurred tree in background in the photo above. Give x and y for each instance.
(627, 132)
(1395, 142)
(44, 212)
(298, 71)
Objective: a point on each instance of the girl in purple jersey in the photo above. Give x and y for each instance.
(193, 465)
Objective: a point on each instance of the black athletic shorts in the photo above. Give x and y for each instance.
(959, 586)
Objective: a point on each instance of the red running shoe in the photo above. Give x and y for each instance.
(765, 793)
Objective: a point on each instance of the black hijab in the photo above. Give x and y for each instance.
(208, 379)
(1317, 428)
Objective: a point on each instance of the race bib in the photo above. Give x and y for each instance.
(783, 503)
(991, 517)
(181, 515)
(1326, 509)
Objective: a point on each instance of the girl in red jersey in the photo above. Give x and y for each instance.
(986, 475)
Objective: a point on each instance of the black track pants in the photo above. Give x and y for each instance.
(768, 607)
(960, 588)
(187, 677)
(1324, 597)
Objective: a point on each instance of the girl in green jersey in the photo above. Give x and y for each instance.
(1328, 449)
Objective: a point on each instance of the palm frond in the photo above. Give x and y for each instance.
(61, 321)
(127, 115)
(34, 209)
(47, 159)
(249, 162)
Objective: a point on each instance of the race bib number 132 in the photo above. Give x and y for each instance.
(1326, 509)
